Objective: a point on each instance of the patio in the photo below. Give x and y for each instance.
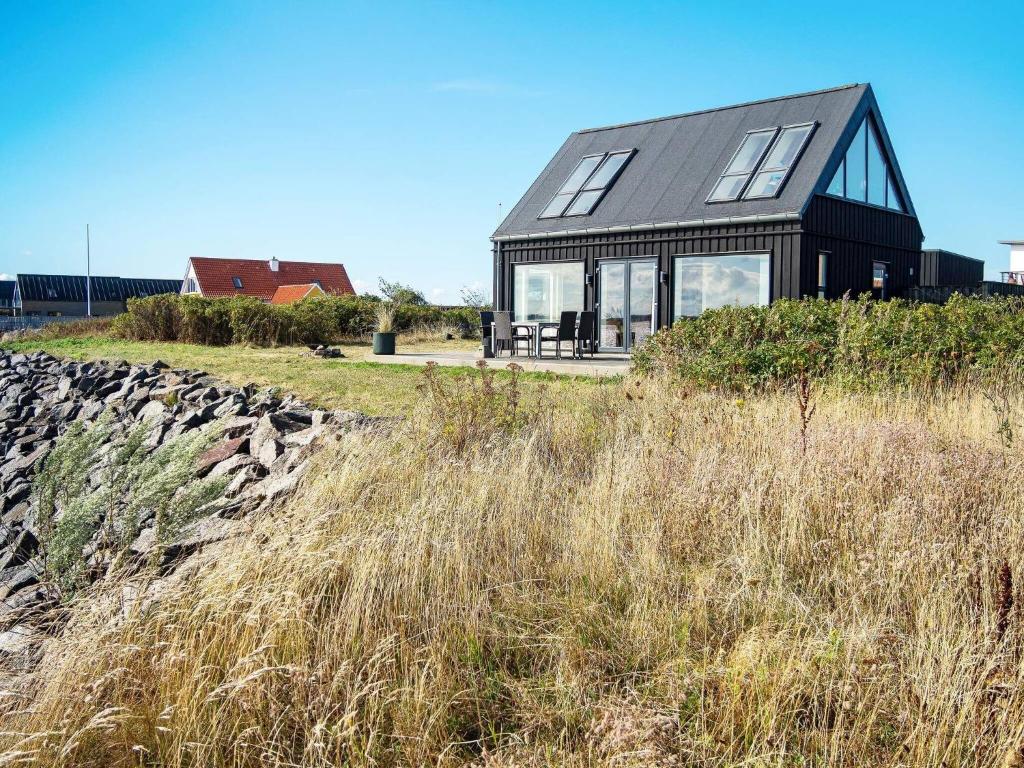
(602, 364)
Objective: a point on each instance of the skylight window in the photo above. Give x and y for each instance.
(746, 158)
(237, 282)
(780, 161)
(587, 184)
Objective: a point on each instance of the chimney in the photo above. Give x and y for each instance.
(274, 264)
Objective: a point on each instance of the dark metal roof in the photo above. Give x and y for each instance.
(72, 288)
(680, 158)
(139, 288)
(7, 292)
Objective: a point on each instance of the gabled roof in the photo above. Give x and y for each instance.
(289, 294)
(72, 288)
(216, 276)
(679, 160)
(7, 288)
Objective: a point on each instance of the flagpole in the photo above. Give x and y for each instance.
(88, 275)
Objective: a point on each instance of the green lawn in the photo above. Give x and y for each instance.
(353, 383)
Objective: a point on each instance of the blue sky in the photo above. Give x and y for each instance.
(385, 135)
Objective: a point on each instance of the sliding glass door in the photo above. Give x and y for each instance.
(627, 303)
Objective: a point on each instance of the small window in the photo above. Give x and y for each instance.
(587, 184)
(237, 281)
(746, 158)
(780, 161)
(822, 274)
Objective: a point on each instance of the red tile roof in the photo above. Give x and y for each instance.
(215, 276)
(288, 294)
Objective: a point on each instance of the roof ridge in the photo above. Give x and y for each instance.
(722, 109)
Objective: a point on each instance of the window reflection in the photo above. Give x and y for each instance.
(541, 292)
(707, 282)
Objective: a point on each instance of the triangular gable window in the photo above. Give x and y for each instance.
(865, 174)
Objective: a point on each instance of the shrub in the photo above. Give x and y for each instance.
(247, 320)
(858, 344)
(86, 492)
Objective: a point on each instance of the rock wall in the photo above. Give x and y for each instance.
(261, 451)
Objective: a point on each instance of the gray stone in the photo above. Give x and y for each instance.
(233, 464)
(268, 452)
(151, 410)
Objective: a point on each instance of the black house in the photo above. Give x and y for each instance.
(66, 296)
(651, 221)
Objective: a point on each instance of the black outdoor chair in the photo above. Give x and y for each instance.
(566, 331)
(486, 321)
(586, 333)
(503, 333)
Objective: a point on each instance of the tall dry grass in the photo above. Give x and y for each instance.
(650, 577)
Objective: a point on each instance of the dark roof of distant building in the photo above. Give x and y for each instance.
(217, 276)
(7, 288)
(678, 160)
(71, 288)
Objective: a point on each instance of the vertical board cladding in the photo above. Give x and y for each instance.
(781, 239)
(856, 235)
(939, 268)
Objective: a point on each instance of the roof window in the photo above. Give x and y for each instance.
(780, 161)
(592, 177)
(237, 282)
(742, 164)
(762, 163)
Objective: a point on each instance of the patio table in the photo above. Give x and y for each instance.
(537, 327)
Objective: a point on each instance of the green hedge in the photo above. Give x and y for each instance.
(246, 320)
(859, 344)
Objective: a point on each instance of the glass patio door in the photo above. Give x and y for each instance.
(627, 303)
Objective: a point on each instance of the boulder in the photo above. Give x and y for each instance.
(221, 453)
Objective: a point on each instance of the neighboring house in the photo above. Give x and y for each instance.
(262, 279)
(65, 295)
(289, 294)
(652, 221)
(8, 298)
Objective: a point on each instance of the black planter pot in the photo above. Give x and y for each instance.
(383, 343)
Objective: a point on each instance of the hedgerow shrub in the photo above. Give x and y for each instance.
(247, 320)
(859, 344)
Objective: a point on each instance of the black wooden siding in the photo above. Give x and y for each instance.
(855, 235)
(939, 267)
(781, 239)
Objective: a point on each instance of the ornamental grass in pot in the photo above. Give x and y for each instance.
(384, 336)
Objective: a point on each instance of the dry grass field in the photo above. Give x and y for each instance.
(655, 577)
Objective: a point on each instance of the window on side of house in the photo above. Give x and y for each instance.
(779, 162)
(237, 282)
(738, 170)
(541, 292)
(719, 280)
(587, 184)
(822, 274)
